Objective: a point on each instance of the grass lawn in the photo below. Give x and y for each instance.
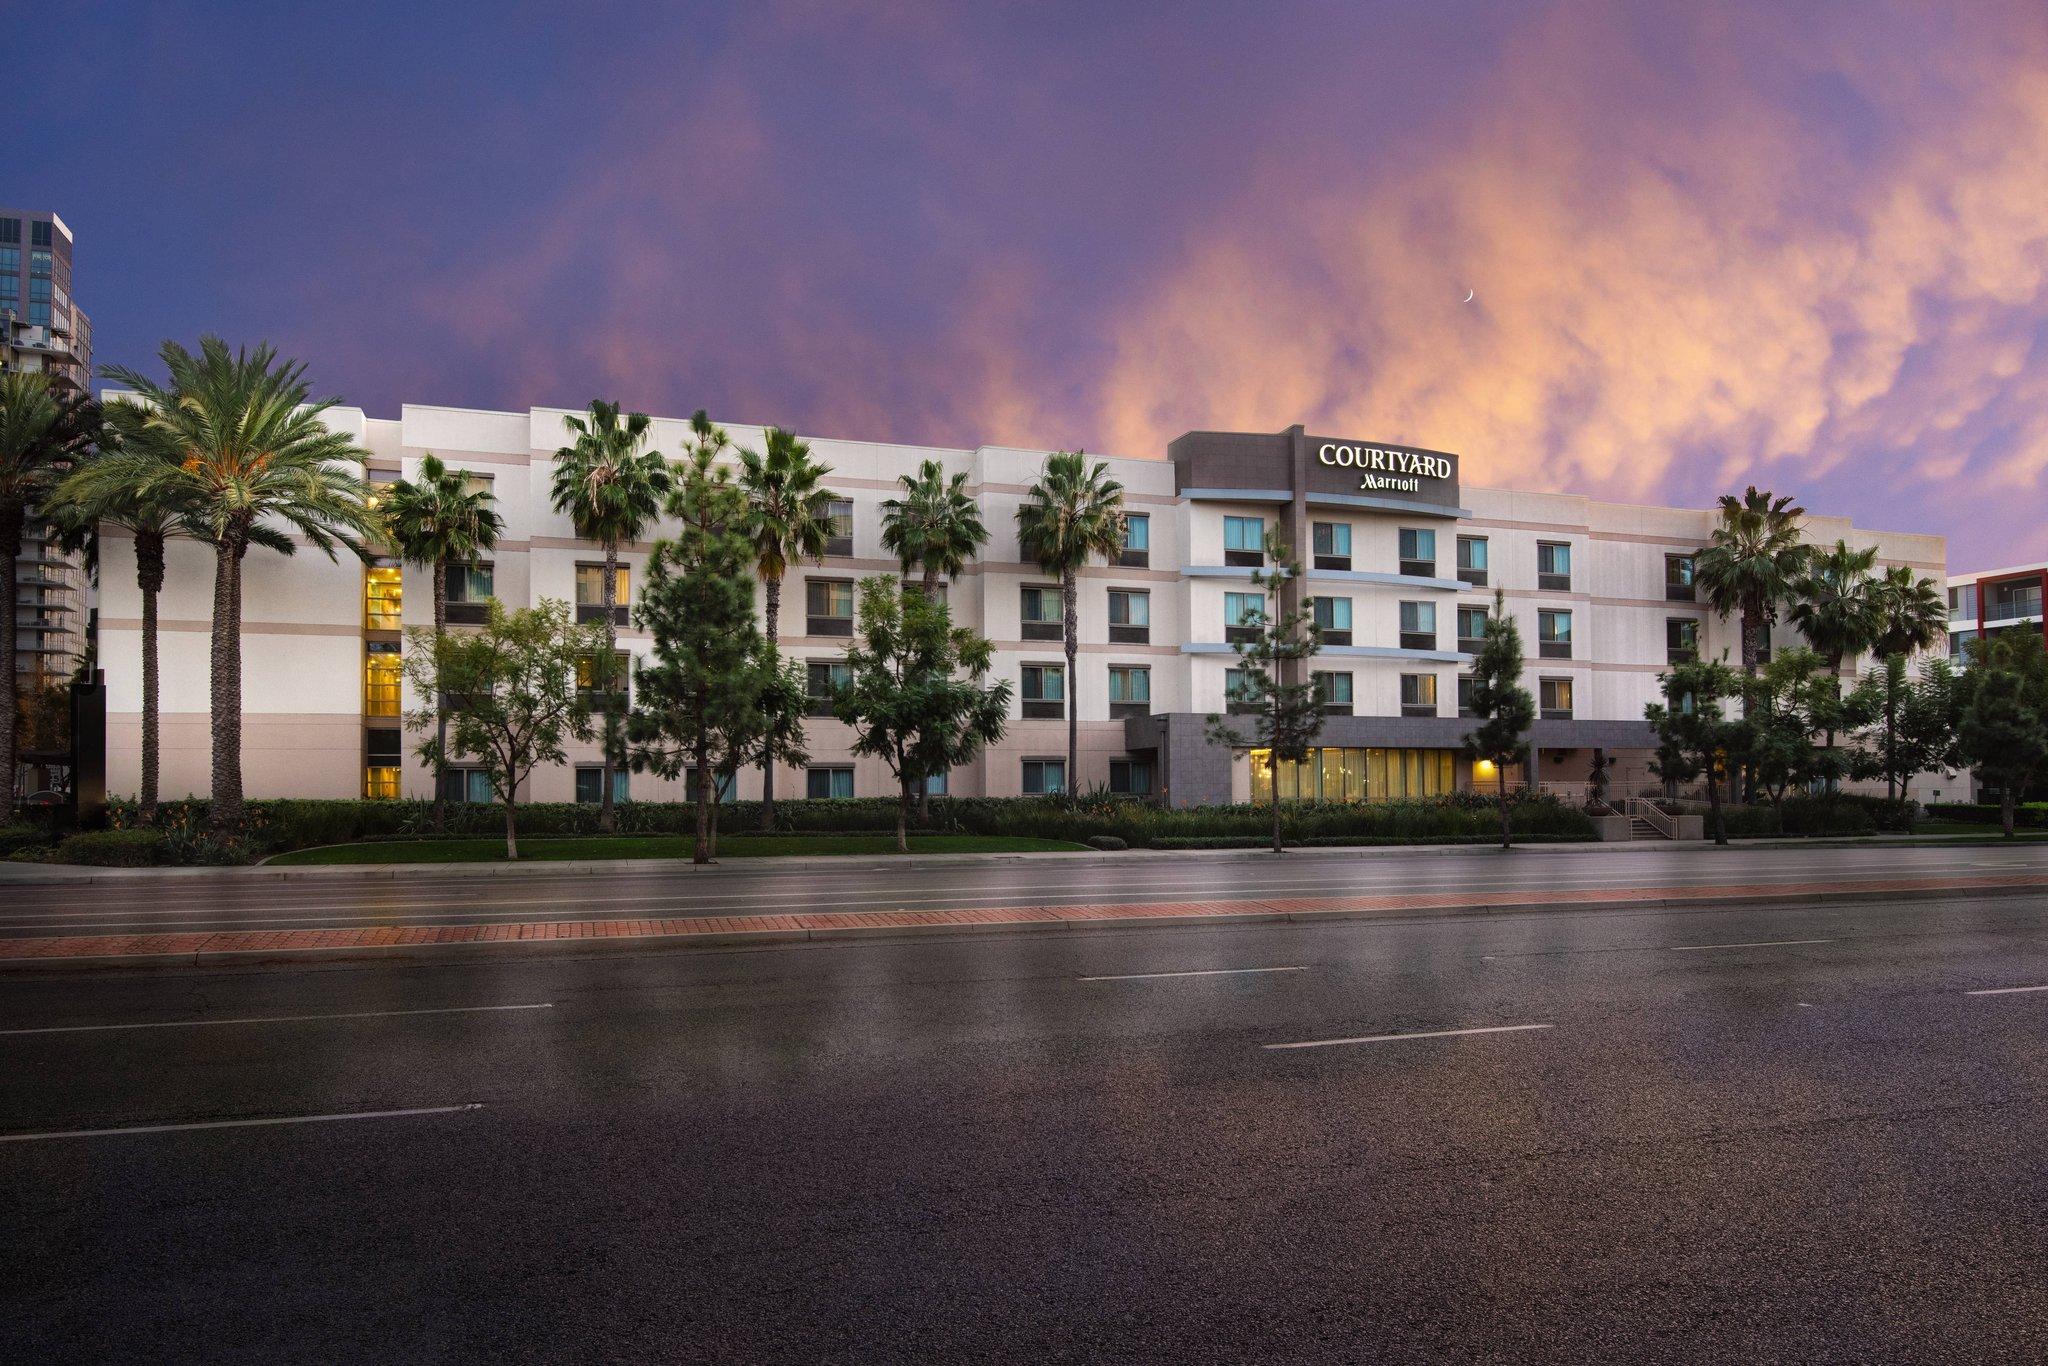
(534, 849)
(1973, 828)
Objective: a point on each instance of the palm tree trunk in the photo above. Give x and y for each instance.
(924, 788)
(1752, 654)
(1070, 594)
(440, 700)
(10, 555)
(773, 620)
(149, 577)
(607, 819)
(1714, 804)
(226, 807)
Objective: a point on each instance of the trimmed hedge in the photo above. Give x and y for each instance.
(13, 837)
(1844, 814)
(1346, 841)
(114, 849)
(2033, 816)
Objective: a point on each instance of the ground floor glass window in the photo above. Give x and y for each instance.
(1355, 775)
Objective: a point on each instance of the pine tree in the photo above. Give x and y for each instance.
(1504, 707)
(1276, 694)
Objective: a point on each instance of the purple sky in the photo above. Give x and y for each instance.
(1802, 244)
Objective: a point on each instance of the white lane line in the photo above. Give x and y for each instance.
(1752, 944)
(1396, 1038)
(1205, 972)
(273, 1019)
(242, 1123)
(2003, 991)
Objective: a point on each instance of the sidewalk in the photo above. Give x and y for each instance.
(428, 941)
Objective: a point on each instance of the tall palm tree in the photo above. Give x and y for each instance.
(611, 489)
(1834, 607)
(43, 435)
(1911, 612)
(233, 439)
(1073, 513)
(1749, 563)
(935, 526)
(437, 521)
(790, 514)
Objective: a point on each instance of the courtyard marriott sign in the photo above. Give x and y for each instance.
(1387, 469)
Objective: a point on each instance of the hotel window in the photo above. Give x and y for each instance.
(823, 680)
(1465, 695)
(381, 668)
(1418, 694)
(828, 607)
(839, 527)
(1556, 699)
(1244, 540)
(1137, 544)
(1130, 690)
(1678, 570)
(619, 683)
(1042, 613)
(1333, 619)
(917, 588)
(1418, 552)
(1354, 775)
(1962, 603)
(1044, 777)
(383, 597)
(1130, 777)
(1472, 560)
(10, 229)
(38, 314)
(590, 785)
(1471, 629)
(382, 752)
(590, 594)
(935, 785)
(1242, 613)
(39, 236)
(1553, 565)
(1045, 691)
(467, 785)
(1681, 639)
(1130, 616)
(1335, 691)
(1959, 643)
(1332, 542)
(1236, 692)
(1554, 635)
(470, 589)
(38, 263)
(824, 784)
(10, 288)
(723, 787)
(39, 287)
(1418, 626)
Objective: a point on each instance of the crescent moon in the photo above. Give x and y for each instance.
(1468, 296)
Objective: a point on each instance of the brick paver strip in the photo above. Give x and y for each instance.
(797, 925)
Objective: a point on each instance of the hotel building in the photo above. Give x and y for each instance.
(1401, 560)
(1991, 601)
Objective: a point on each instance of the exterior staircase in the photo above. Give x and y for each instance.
(1641, 829)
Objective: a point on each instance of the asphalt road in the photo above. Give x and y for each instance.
(766, 886)
(1737, 1134)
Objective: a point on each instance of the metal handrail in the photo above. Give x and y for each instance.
(1651, 812)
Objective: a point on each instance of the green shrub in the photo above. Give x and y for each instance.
(113, 849)
(13, 837)
(2032, 816)
(1108, 843)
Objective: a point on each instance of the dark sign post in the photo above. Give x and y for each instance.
(89, 752)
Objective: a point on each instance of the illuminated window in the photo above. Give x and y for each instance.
(1355, 775)
(383, 597)
(380, 782)
(380, 679)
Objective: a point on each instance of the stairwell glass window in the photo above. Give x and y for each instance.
(1418, 694)
(1418, 626)
(1130, 616)
(1472, 560)
(1244, 541)
(1332, 544)
(828, 782)
(1130, 690)
(1418, 552)
(1553, 565)
(1042, 614)
(1554, 699)
(824, 679)
(828, 607)
(1333, 619)
(1554, 635)
(590, 594)
(1471, 629)
(1044, 777)
(839, 526)
(1335, 691)
(1045, 691)
(1242, 613)
(1136, 551)
(381, 671)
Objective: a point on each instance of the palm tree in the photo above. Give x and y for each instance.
(935, 526)
(1911, 612)
(1834, 607)
(233, 441)
(790, 514)
(1073, 513)
(43, 435)
(1749, 564)
(437, 521)
(611, 490)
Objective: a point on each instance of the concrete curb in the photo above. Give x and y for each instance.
(731, 939)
